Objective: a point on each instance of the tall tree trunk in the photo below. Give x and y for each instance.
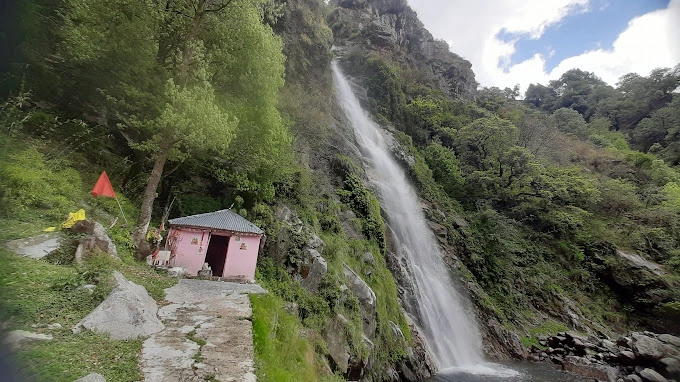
(142, 225)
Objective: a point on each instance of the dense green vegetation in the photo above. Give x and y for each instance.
(230, 104)
(189, 105)
(544, 184)
(37, 293)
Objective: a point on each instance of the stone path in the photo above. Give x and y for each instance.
(208, 334)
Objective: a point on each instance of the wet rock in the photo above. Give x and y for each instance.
(647, 348)
(507, 339)
(93, 377)
(556, 341)
(127, 313)
(669, 339)
(669, 367)
(632, 378)
(625, 342)
(627, 357)
(438, 229)
(418, 362)
(650, 375)
(16, 338)
(586, 368)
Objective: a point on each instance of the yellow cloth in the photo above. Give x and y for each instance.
(72, 218)
(50, 229)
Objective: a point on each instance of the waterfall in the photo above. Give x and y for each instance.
(451, 334)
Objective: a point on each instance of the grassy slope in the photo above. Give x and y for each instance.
(38, 190)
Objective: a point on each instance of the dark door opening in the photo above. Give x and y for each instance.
(216, 255)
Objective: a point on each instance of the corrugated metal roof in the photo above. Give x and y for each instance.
(222, 219)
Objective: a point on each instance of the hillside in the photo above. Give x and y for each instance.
(557, 212)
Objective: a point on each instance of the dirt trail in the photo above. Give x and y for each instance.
(207, 336)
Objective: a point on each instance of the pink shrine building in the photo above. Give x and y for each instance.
(224, 239)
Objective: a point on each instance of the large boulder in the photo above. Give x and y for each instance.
(128, 313)
(650, 375)
(506, 339)
(669, 339)
(312, 274)
(338, 348)
(669, 367)
(648, 348)
(586, 368)
(96, 239)
(418, 365)
(367, 299)
(35, 247)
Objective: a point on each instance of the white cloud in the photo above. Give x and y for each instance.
(471, 29)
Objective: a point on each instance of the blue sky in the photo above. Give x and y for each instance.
(521, 42)
(595, 26)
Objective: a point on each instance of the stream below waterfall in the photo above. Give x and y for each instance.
(512, 372)
(447, 322)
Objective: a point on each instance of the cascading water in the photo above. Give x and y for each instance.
(452, 336)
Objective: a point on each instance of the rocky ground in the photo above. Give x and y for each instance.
(637, 357)
(207, 335)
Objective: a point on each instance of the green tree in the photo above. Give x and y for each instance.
(179, 78)
(569, 121)
(481, 143)
(445, 170)
(574, 89)
(540, 96)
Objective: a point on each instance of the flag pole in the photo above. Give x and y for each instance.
(121, 210)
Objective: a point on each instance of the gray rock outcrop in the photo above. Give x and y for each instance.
(127, 313)
(315, 272)
(300, 248)
(393, 28)
(648, 348)
(367, 299)
(650, 375)
(583, 366)
(96, 239)
(669, 339)
(639, 356)
(669, 367)
(35, 247)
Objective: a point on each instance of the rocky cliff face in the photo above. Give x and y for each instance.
(393, 29)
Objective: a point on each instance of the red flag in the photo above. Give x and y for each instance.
(103, 187)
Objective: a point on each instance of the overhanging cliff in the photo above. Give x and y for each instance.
(392, 29)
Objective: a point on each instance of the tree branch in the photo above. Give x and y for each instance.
(219, 7)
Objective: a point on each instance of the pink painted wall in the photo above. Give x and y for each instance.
(241, 254)
(241, 262)
(187, 255)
